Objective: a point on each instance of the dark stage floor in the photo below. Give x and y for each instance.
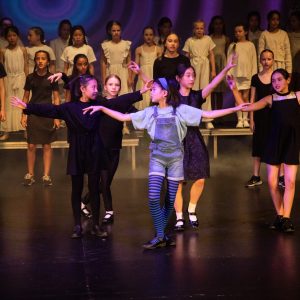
(233, 255)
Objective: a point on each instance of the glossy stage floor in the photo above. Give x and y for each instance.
(233, 254)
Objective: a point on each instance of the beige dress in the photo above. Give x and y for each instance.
(295, 50)
(246, 65)
(14, 86)
(116, 56)
(220, 60)
(198, 50)
(279, 43)
(146, 64)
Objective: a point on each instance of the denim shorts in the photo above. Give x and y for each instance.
(170, 167)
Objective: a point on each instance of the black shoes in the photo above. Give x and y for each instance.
(169, 241)
(85, 212)
(254, 181)
(282, 224)
(194, 224)
(77, 232)
(179, 225)
(155, 243)
(97, 231)
(108, 218)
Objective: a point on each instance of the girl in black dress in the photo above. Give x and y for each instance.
(282, 144)
(196, 159)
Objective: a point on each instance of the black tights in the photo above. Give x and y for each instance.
(107, 177)
(77, 187)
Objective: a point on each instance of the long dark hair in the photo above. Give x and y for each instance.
(73, 29)
(173, 95)
(283, 72)
(76, 58)
(211, 25)
(48, 57)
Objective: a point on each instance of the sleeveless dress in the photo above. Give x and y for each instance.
(261, 117)
(14, 84)
(146, 63)
(116, 55)
(196, 158)
(283, 142)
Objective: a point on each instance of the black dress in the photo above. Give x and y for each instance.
(40, 130)
(167, 67)
(261, 117)
(196, 158)
(2, 71)
(283, 143)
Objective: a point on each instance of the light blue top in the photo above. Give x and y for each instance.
(185, 116)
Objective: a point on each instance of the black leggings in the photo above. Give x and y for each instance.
(107, 177)
(77, 187)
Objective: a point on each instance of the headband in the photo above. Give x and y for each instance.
(163, 83)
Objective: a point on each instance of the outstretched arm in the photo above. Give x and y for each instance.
(112, 113)
(209, 89)
(223, 112)
(135, 68)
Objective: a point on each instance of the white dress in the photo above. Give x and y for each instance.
(146, 64)
(14, 86)
(279, 43)
(70, 52)
(116, 56)
(246, 65)
(198, 50)
(31, 53)
(58, 46)
(295, 50)
(220, 60)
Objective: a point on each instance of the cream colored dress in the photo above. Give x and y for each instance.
(146, 64)
(279, 43)
(246, 65)
(220, 60)
(116, 56)
(295, 50)
(14, 86)
(198, 50)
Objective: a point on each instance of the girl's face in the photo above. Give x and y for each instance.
(112, 87)
(279, 83)
(240, 33)
(78, 38)
(266, 60)
(82, 66)
(199, 29)
(64, 32)
(33, 38)
(157, 93)
(90, 91)
(294, 23)
(274, 22)
(253, 23)
(165, 29)
(115, 32)
(188, 79)
(148, 36)
(218, 26)
(172, 43)
(12, 38)
(41, 60)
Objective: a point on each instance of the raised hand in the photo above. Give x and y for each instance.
(134, 67)
(232, 61)
(92, 109)
(55, 77)
(147, 86)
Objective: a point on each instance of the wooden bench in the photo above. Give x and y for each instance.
(130, 142)
(216, 132)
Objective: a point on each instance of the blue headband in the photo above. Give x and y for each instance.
(163, 83)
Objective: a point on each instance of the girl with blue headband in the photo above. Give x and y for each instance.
(166, 122)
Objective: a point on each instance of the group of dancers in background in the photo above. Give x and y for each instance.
(179, 86)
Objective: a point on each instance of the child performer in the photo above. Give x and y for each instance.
(199, 49)
(166, 124)
(36, 38)
(2, 93)
(145, 56)
(259, 121)
(164, 28)
(14, 58)
(245, 69)
(77, 45)
(282, 144)
(40, 130)
(276, 40)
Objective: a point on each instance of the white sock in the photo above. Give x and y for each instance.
(179, 215)
(108, 212)
(192, 209)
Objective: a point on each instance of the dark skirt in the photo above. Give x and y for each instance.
(196, 159)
